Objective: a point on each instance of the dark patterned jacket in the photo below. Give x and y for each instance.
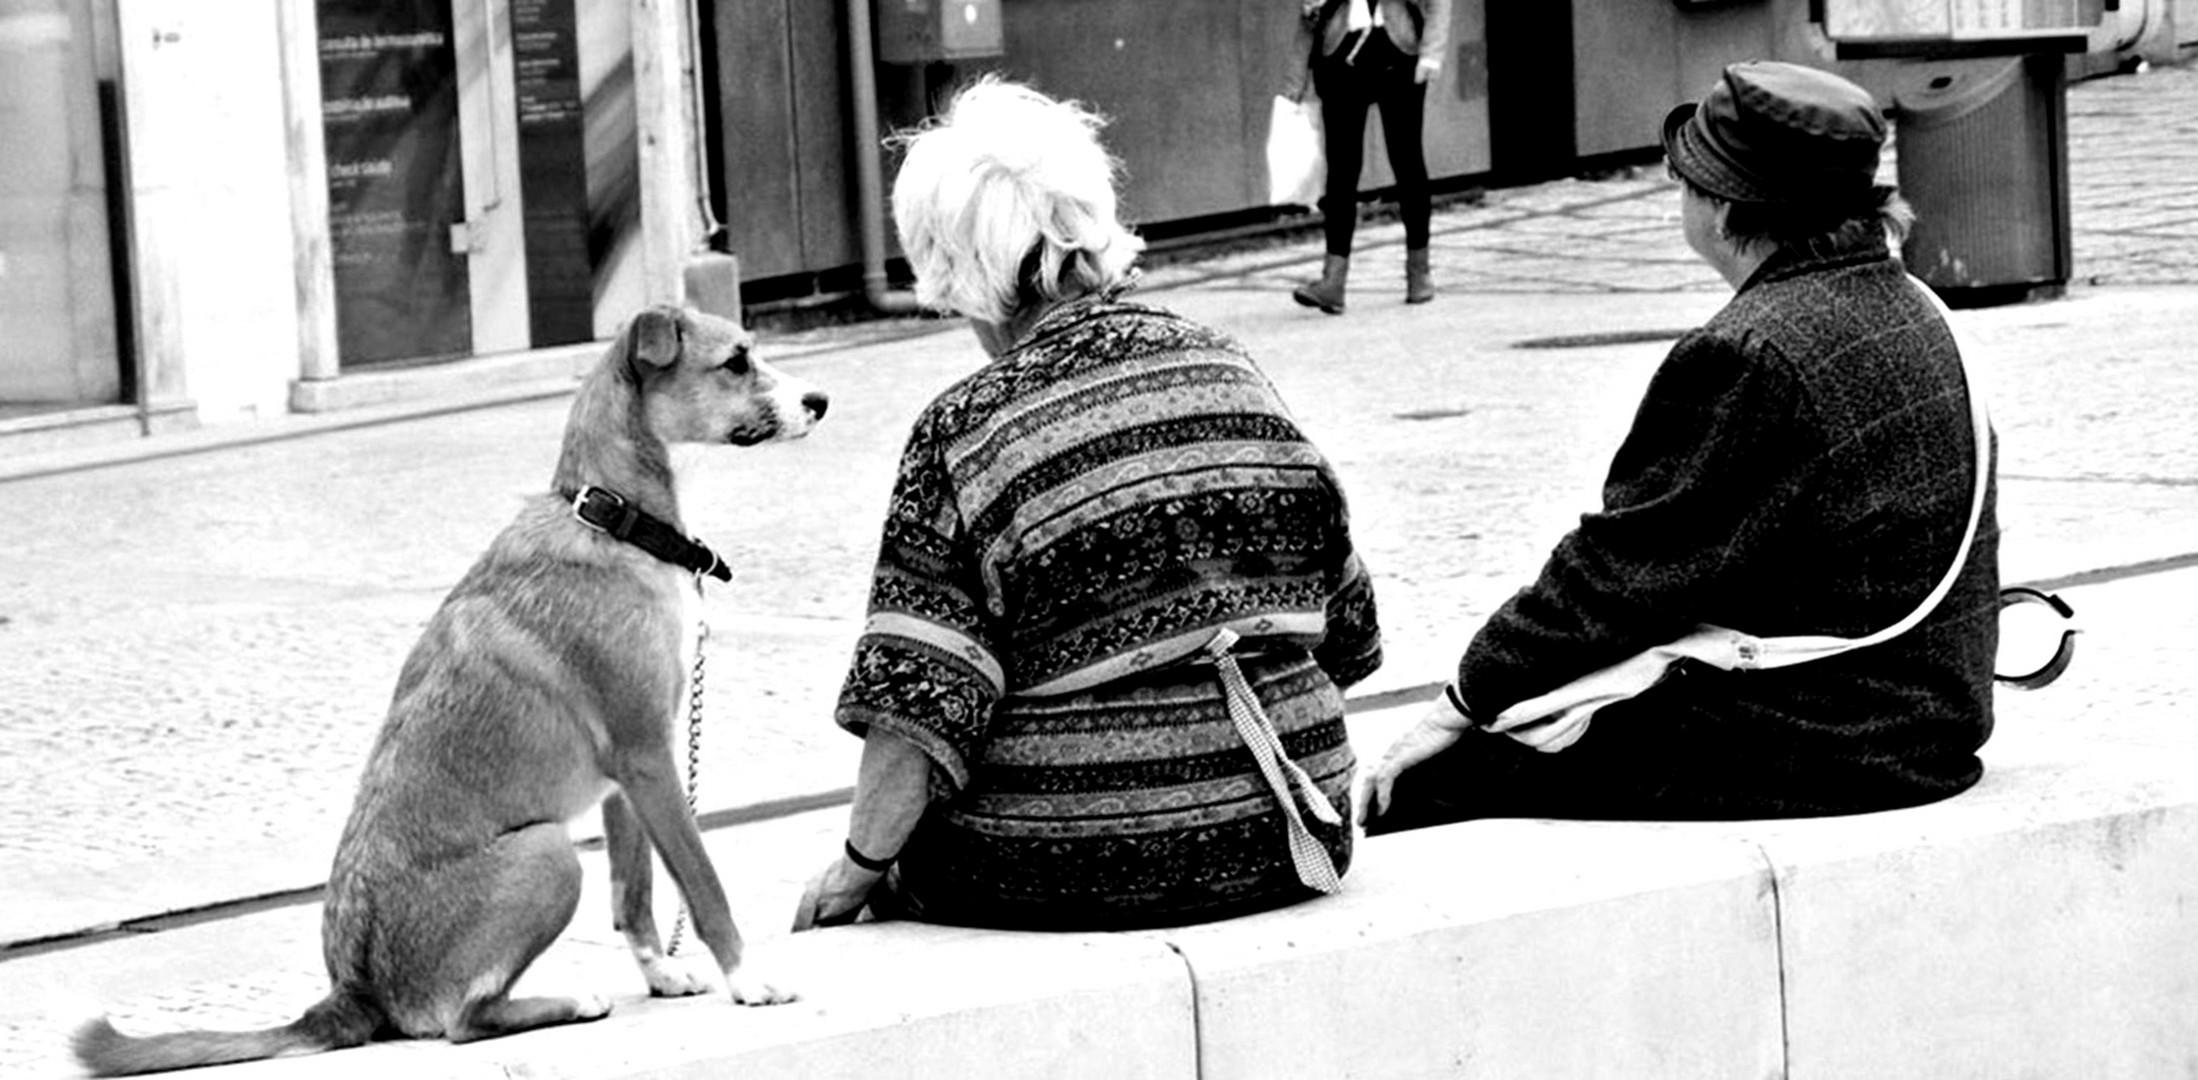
(1801, 464)
(1069, 526)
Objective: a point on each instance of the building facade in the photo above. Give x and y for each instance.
(214, 212)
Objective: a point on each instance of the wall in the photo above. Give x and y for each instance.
(1635, 59)
(614, 162)
(239, 286)
(782, 92)
(210, 198)
(56, 283)
(1187, 88)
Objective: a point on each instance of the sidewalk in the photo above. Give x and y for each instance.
(197, 637)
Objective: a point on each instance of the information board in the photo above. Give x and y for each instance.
(1957, 20)
(553, 171)
(389, 115)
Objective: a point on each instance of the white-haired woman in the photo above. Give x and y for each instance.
(1116, 596)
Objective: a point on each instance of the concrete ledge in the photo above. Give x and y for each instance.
(1503, 949)
(2040, 925)
(878, 1002)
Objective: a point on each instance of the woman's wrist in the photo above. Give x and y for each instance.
(861, 861)
(1458, 709)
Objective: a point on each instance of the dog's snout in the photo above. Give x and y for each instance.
(814, 403)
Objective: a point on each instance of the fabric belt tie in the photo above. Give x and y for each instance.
(1314, 867)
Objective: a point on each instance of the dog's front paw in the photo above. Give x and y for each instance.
(750, 987)
(591, 1007)
(673, 976)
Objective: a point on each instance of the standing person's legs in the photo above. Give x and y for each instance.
(1343, 105)
(1403, 102)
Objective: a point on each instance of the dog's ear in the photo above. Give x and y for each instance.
(652, 340)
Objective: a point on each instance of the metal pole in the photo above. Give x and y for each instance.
(869, 167)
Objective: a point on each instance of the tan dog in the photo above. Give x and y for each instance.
(550, 681)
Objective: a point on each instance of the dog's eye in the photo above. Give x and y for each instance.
(737, 363)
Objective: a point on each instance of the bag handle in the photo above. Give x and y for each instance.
(1554, 720)
(1765, 653)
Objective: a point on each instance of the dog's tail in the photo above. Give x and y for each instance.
(337, 1021)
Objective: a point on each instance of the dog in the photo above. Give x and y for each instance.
(548, 682)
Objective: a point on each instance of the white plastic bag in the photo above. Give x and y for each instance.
(1297, 169)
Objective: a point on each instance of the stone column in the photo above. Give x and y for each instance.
(307, 161)
(678, 265)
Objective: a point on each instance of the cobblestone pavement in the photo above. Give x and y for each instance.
(195, 650)
(2133, 177)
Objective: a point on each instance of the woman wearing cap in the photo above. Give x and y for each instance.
(1116, 596)
(1373, 54)
(1803, 464)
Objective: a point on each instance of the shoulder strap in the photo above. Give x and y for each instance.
(1554, 720)
(1786, 651)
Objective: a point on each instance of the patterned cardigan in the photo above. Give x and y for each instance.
(1069, 524)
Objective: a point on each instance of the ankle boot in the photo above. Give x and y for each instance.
(1327, 293)
(1419, 282)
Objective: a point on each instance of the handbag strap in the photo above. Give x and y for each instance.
(1753, 653)
(1558, 718)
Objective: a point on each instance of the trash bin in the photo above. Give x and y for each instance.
(1982, 148)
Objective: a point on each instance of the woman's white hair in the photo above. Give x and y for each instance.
(1006, 198)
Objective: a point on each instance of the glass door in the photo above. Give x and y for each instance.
(482, 174)
(389, 116)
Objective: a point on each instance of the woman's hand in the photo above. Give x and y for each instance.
(838, 895)
(1436, 732)
(1426, 70)
(890, 796)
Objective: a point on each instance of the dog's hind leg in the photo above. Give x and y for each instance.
(490, 1017)
(632, 896)
(518, 896)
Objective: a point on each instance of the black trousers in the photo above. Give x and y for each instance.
(1650, 759)
(1379, 76)
(1487, 775)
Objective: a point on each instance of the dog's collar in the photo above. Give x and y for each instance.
(608, 512)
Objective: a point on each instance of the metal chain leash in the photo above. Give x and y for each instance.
(694, 755)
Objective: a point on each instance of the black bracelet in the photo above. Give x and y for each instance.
(875, 866)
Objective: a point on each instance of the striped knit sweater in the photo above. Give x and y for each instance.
(1068, 528)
